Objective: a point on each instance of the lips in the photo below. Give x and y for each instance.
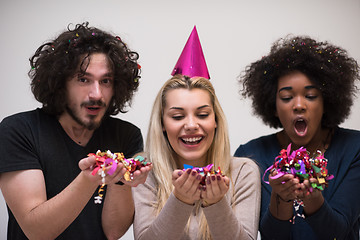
(93, 110)
(300, 126)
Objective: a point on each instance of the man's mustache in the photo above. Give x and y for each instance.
(93, 103)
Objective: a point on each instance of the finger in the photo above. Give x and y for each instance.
(86, 163)
(117, 176)
(226, 181)
(192, 182)
(283, 179)
(212, 186)
(220, 185)
(176, 174)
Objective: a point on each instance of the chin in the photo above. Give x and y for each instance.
(301, 142)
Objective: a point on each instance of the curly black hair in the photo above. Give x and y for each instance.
(55, 61)
(328, 67)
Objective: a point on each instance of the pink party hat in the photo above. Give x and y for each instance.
(192, 61)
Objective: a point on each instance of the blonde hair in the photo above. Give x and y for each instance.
(160, 152)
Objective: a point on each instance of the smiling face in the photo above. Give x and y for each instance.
(300, 107)
(88, 96)
(189, 122)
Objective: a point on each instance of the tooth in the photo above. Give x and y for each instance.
(194, 139)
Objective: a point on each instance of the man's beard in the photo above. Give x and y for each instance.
(91, 125)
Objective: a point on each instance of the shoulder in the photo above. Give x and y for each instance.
(25, 121)
(347, 133)
(345, 140)
(21, 117)
(119, 128)
(254, 144)
(244, 166)
(113, 121)
(346, 143)
(245, 175)
(263, 150)
(118, 125)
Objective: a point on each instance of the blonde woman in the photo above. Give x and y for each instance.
(188, 126)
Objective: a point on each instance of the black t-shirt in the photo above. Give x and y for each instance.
(36, 140)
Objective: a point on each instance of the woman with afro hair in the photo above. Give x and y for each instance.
(306, 88)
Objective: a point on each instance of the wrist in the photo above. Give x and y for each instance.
(183, 200)
(204, 203)
(278, 199)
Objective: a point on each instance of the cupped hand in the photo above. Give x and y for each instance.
(138, 177)
(186, 185)
(307, 192)
(87, 166)
(287, 187)
(215, 189)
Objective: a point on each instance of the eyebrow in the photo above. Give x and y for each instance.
(290, 88)
(109, 74)
(201, 107)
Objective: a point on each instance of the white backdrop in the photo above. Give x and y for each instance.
(233, 33)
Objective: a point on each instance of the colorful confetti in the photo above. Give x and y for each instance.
(204, 171)
(109, 159)
(302, 166)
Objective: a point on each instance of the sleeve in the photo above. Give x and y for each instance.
(17, 146)
(169, 224)
(240, 152)
(135, 143)
(272, 228)
(241, 219)
(340, 214)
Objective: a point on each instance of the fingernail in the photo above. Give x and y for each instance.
(198, 177)
(213, 177)
(193, 173)
(188, 171)
(180, 173)
(218, 177)
(208, 181)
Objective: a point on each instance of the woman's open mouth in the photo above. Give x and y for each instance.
(191, 140)
(300, 127)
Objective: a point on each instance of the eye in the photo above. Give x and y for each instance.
(203, 115)
(177, 117)
(82, 80)
(286, 99)
(311, 97)
(107, 81)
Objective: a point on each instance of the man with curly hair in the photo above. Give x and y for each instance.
(306, 88)
(81, 78)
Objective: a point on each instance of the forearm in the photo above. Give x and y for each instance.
(169, 224)
(337, 224)
(223, 223)
(118, 211)
(56, 213)
(272, 228)
(313, 204)
(279, 208)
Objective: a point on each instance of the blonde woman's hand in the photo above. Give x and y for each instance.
(186, 185)
(215, 189)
